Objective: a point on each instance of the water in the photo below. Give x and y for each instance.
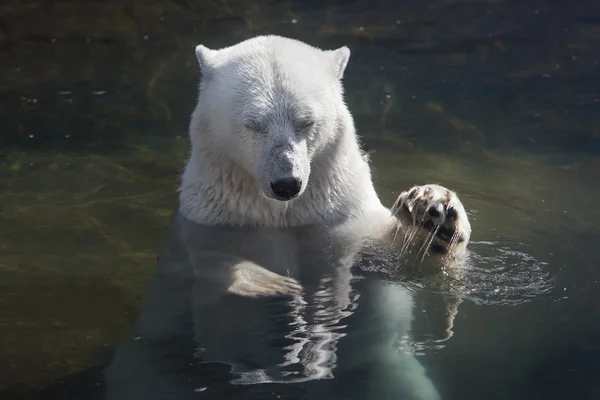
(496, 100)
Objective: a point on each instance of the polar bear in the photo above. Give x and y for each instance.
(277, 201)
(273, 144)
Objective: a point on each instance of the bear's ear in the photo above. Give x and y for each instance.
(340, 59)
(206, 58)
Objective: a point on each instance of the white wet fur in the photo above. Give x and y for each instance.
(249, 129)
(272, 108)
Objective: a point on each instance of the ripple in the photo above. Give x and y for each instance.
(508, 277)
(494, 274)
(499, 275)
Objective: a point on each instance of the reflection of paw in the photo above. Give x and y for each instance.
(253, 280)
(437, 210)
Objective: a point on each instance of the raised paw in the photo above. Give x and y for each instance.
(437, 211)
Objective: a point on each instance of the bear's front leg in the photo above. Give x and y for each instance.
(431, 220)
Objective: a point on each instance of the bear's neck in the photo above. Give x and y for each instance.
(217, 191)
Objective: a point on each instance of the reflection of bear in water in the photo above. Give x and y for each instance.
(277, 200)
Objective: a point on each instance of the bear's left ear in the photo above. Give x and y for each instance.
(339, 60)
(206, 58)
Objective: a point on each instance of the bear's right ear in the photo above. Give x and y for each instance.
(206, 58)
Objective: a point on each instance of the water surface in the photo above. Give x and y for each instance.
(497, 100)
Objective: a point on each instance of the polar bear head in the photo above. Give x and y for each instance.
(272, 106)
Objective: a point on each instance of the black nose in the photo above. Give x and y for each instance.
(286, 188)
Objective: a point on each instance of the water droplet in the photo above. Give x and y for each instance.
(198, 352)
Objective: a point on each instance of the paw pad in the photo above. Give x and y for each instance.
(434, 213)
(451, 214)
(432, 208)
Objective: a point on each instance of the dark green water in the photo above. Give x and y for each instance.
(498, 100)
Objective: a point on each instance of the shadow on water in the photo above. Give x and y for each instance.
(496, 99)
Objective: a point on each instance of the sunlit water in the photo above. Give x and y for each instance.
(497, 100)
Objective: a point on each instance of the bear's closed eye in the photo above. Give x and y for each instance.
(254, 126)
(305, 125)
